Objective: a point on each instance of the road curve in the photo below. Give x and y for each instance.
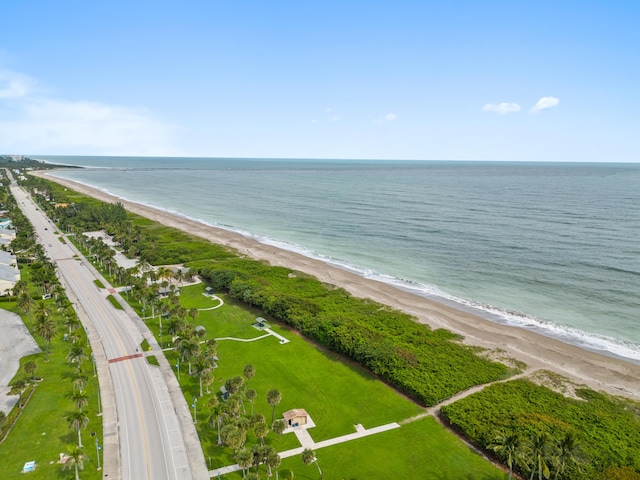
(149, 433)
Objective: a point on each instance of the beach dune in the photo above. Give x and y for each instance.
(597, 371)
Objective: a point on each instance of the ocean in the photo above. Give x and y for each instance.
(551, 247)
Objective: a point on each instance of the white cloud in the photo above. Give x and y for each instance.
(501, 108)
(40, 124)
(335, 118)
(544, 103)
(13, 85)
(389, 117)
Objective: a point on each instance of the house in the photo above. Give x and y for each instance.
(7, 233)
(8, 278)
(7, 259)
(295, 417)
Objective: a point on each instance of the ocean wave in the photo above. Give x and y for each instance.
(589, 341)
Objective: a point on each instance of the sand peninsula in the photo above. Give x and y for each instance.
(599, 372)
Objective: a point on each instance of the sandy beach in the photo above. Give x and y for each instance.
(597, 371)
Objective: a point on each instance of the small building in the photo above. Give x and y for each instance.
(7, 233)
(8, 278)
(295, 417)
(7, 259)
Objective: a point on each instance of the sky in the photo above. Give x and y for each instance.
(458, 80)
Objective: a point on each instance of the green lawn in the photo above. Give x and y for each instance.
(41, 433)
(336, 393)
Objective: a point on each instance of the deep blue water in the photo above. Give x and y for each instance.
(552, 247)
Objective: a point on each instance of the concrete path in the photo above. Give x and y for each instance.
(15, 342)
(306, 441)
(212, 297)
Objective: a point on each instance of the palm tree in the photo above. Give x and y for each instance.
(188, 347)
(47, 329)
(568, 453)
(249, 371)
(18, 386)
(201, 368)
(77, 421)
(509, 448)
(279, 427)
(541, 452)
(193, 313)
(79, 380)
(243, 457)
(77, 355)
(75, 458)
(309, 457)
(233, 437)
(217, 416)
(25, 303)
(261, 430)
(273, 461)
(273, 399)
(80, 399)
(251, 395)
(30, 368)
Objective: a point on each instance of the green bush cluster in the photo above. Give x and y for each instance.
(607, 428)
(429, 365)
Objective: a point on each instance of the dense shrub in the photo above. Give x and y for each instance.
(428, 365)
(607, 428)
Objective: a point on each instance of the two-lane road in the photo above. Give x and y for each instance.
(150, 439)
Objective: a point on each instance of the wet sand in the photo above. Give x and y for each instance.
(597, 371)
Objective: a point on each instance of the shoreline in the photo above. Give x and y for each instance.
(613, 375)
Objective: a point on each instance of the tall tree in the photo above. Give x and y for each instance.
(217, 416)
(251, 395)
(80, 399)
(201, 368)
(541, 452)
(273, 399)
(249, 371)
(309, 457)
(273, 460)
(243, 457)
(30, 368)
(76, 459)
(77, 421)
(509, 448)
(261, 430)
(76, 355)
(79, 380)
(568, 453)
(47, 329)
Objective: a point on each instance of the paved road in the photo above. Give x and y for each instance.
(150, 440)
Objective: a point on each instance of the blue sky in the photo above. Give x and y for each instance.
(469, 80)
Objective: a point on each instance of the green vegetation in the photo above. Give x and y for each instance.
(152, 360)
(337, 395)
(607, 429)
(531, 422)
(429, 365)
(52, 385)
(114, 302)
(98, 283)
(144, 346)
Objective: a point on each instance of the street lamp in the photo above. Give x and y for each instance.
(93, 358)
(195, 401)
(98, 448)
(178, 367)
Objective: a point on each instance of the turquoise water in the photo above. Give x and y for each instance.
(550, 247)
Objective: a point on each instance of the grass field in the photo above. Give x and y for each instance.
(42, 433)
(336, 393)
